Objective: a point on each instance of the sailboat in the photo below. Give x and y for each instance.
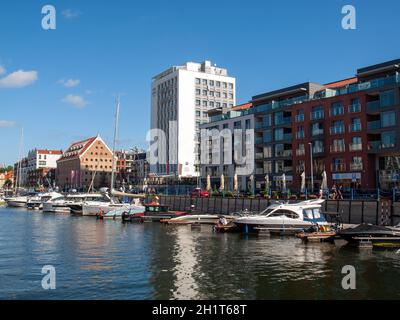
(94, 208)
(17, 200)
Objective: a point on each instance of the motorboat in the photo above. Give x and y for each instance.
(198, 219)
(118, 213)
(376, 236)
(36, 202)
(284, 218)
(105, 205)
(17, 201)
(76, 205)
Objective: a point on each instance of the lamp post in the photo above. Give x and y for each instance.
(311, 166)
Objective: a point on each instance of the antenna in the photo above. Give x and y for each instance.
(115, 138)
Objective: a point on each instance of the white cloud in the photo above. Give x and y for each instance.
(6, 124)
(2, 70)
(75, 100)
(19, 79)
(70, 83)
(69, 13)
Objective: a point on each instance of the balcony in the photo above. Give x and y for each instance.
(374, 146)
(374, 125)
(355, 146)
(355, 127)
(373, 106)
(356, 166)
(354, 108)
(283, 121)
(337, 130)
(338, 167)
(287, 153)
(287, 136)
(300, 152)
(338, 148)
(287, 169)
(317, 115)
(299, 118)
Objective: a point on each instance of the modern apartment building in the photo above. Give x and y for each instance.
(86, 163)
(180, 99)
(350, 126)
(215, 159)
(132, 167)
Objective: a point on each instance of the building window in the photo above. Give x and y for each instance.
(204, 103)
(211, 82)
(205, 92)
(204, 81)
(300, 115)
(355, 125)
(356, 163)
(387, 98)
(356, 144)
(317, 129)
(218, 84)
(198, 92)
(388, 139)
(198, 102)
(338, 145)
(336, 109)
(300, 132)
(338, 165)
(317, 113)
(248, 124)
(230, 85)
(337, 127)
(355, 106)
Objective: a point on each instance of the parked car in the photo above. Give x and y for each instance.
(199, 193)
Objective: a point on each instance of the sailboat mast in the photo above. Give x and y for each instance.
(114, 142)
(19, 166)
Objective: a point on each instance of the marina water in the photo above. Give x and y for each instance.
(97, 259)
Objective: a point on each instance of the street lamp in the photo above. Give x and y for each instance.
(311, 166)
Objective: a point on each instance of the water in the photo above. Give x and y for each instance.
(108, 260)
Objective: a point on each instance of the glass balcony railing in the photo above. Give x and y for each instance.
(353, 108)
(282, 121)
(374, 125)
(373, 106)
(355, 127)
(300, 135)
(300, 152)
(337, 130)
(374, 145)
(287, 136)
(317, 150)
(336, 112)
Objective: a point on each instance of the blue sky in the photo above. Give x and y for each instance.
(100, 48)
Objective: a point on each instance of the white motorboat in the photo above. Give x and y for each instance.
(36, 202)
(17, 202)
(284, 218)
(104, 206)
(117, 213)
(63, 204)
(76, 205)
(198, 219)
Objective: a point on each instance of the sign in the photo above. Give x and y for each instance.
(354, 176)
(279, 178)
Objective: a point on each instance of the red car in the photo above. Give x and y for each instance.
(200, 193)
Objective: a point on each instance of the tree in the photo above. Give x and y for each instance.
(8, 184)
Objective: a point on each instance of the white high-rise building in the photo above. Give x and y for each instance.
(180, 99)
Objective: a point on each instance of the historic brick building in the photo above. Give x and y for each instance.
(85, 164)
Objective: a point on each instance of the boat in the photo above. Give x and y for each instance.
(17, 201)
(76, 205)
(63, 204)
(118, 213)
(376, 236)
(36, 202)
(284, 218)
(198, 219)
(103, 205)
(159, 212)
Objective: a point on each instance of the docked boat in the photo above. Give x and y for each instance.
(376, 236)
(103, 206)
(17, 202)
(285, 218)
(36, 202)
(76, 205)
(117, 214)
(198, 219)
(155, 212)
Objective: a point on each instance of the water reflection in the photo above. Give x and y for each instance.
(109, 260)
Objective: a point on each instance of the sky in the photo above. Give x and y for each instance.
(60, 85)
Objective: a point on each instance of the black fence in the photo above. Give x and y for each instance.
(383, 212)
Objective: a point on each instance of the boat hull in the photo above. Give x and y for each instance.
(16, 204)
